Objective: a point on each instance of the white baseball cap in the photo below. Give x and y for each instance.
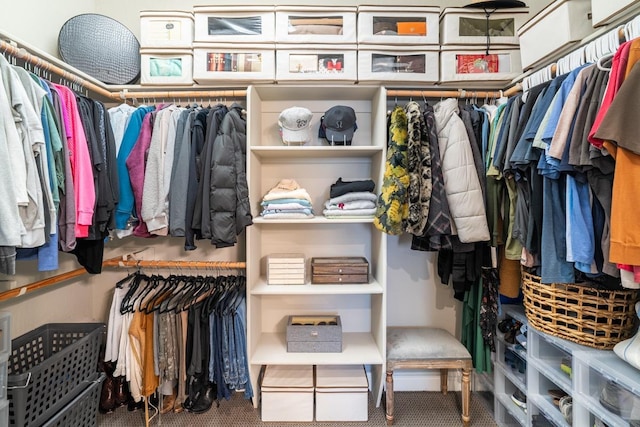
(295, 125)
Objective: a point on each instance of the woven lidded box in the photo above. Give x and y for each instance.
(314, 334)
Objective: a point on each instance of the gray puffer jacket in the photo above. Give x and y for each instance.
(229, 207)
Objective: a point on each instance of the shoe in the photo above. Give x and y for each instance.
(121, 392)
(565, 365)
(618, 400)
(205, 400)
(168, 403)
(107, 396)
(566, 408)
(522, 340)
(520, 399)
(132, 405)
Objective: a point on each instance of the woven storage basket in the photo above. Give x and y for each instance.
(582, 314)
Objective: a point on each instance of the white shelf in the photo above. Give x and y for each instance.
(313, 152)
(263, 288)
(357, 348)
(512, 409)
(316, 220)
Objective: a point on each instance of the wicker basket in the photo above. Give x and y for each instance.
(582, 314)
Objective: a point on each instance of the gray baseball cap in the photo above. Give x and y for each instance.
(338, 125)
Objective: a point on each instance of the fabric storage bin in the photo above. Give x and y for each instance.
(460, 64)
(81, 411)
(287, 393)
(48, 367)
(605, 12)
(166, 66)
(559, 25)
(462, 26)
(234, 24)
(216, 63)
(161, 28)
(342, 393)
(314, 334)
(316, 24)
(331, 62)
(398, 25)
(398, 63)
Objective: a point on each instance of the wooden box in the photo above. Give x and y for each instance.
(341, 393)
(339, 270)
(314, 334)
(287, 393)
(286, 269)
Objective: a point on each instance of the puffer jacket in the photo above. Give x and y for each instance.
(229, 207)
(461, 183)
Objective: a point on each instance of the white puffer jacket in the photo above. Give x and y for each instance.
(461, 183)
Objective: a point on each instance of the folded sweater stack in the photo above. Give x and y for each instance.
(287, 200)
(352, 199)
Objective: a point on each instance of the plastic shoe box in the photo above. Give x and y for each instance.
(341, 393)
(463, 26)
(318, 63)
(217, 63)
(5, 332)
(234, 24)
(166, 29)
(287, 393)
(461, 64)
(398, 63)
(166, 66)
(314, 24)
(407, 25)
(568, 22)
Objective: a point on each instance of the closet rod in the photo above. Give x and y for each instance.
(457, 93)
(23, 54)
(173, 94)
(132, 263)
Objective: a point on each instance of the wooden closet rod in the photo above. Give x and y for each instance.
(452, 93)
(132, 263)
(173, 94)
(37, 61)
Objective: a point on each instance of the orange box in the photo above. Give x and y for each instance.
(412, 28)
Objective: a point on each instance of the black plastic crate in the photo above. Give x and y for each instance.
(81, 411)
(49, 367)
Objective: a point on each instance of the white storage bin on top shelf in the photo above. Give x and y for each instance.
(464, 26)
(234, 24)
(398, 63)
(309, 24)
(556, 27)
(461, 64)
(320, 62)
(605, 12)
(166, 29)
(407, 25)
(166, 66)
(218, 63)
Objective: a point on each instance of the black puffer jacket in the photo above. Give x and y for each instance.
(229, 207)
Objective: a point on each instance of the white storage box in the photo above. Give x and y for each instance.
(287, 393)
(341, 393)
(233, 63)
(161, 28)
(166, 67)
(286, 269)
(398, 25)
(331, 62)
(559, 25)
(316, 24)
(398, 63)
(463, 26)
(605, 12)
(234, 24)
(458, 64)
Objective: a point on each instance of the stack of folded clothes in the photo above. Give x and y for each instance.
(287, 200)
(351, 199)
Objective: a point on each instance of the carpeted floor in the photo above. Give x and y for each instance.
(412, 409)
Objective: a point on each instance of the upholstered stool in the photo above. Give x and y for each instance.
(427, 348)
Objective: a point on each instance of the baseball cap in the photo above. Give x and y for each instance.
(338, 124)
(295, 125)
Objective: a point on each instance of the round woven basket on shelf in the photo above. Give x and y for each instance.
(593, 317)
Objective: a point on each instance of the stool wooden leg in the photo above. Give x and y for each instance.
(444, 377)
(466, 396)
(389, 397)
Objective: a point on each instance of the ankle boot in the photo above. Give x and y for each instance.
(107, 396)
(168, 403)
(205, 400)
(121, 391)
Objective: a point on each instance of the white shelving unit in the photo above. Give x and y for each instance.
(315, 166)
(591, 370)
